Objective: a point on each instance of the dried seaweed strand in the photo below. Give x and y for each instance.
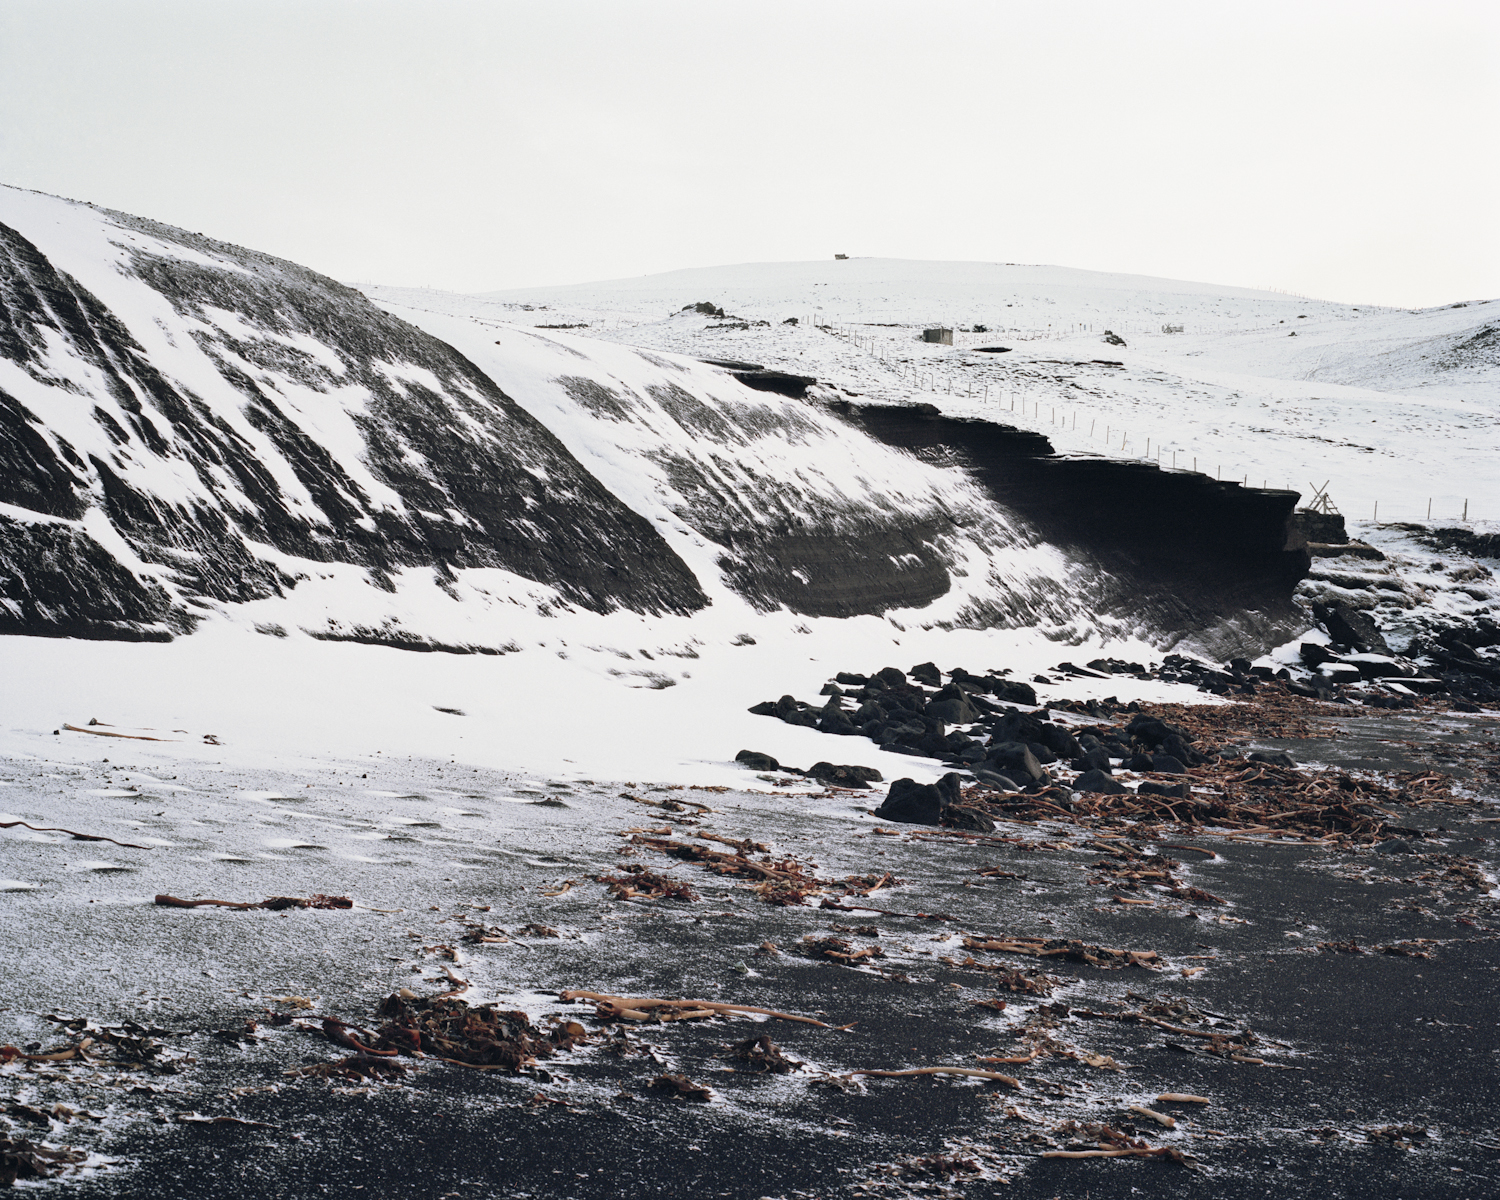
(79, 837)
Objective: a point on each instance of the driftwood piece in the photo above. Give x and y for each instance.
(1152, 1114)
(134, 737)
(622, 1006)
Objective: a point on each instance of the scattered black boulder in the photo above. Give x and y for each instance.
(1350, 627)
(1272, 758)
(912, 803)
(757, 761)
(1099, 783)
(1174, 791)
(1012, 757)
(964, 816)
(1165, 764)
(843, 775)
(1093, 760)
(1013, 691)
(927, 673)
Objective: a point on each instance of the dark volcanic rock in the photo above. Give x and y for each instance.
(1016, 756)
(964, 816)
(953, 712)
(1098, 782)
(1093, 760)
(1165, 764)
(843, 775)
(1273, 758)
(1350, 627)
(757, 761)
(927, 673)
(912, 803)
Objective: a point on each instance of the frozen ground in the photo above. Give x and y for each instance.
(431, 849)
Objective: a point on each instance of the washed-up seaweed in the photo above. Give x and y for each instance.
(21, 1158)
(914, 1072)
(1226, 1043)
(646, 1008)
(274, 903)
(763, 1056)
(836, 949)
(1067, 949)
(639, 883)
(77, 837)
(127, 1046)
(681, 1085)
(451, 1030)
(777, 881)
(357, 1068)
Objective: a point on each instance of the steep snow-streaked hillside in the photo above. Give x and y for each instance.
(217, 423)
(193, 428)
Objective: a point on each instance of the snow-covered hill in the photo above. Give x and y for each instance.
(196, 430)
(1393, 408)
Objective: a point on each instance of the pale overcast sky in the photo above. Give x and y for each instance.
(1345, 150)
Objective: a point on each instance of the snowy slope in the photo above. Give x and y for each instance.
(222, 426)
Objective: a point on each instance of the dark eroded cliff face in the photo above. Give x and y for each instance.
(315, 424)
(1186, 555)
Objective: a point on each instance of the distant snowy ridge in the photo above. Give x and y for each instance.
(1392, 407)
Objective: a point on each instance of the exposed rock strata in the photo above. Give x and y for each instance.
(1185, 552)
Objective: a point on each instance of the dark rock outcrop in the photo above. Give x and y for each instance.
(1349, 627)
(913, 803)
(779, 382)
(1176, 549)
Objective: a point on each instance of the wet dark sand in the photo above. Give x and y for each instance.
(1352, 1042)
